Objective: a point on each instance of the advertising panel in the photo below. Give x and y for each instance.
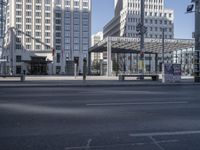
(172, 73)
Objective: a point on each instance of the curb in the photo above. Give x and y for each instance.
(93, 85)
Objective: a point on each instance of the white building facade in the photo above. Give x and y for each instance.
(96, 38)
(127, 16)
(58, 33)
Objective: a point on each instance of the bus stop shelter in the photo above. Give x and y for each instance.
(132, 45)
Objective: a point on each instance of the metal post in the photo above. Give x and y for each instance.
(156, 63)
(163, 55)
(149, 63)
(124, 63)
(197, 42)
(182, 63)
(75, 70)
(163, 45)
(11, 47)
(137, 64)
(192, 60)
(141, 71)
(172, 57)
(109, 57)
(186, 58)
(117, 63)
(89, 62)
(130, 62)
(98, 63)
(84, 69)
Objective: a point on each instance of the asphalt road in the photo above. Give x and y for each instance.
(92, 118)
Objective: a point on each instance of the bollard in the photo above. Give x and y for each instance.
(22, 77)
(84, 68)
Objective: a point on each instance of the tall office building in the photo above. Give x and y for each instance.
(127, 16)
(96, 38)
(54, 34)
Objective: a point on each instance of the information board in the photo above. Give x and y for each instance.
(172, 73)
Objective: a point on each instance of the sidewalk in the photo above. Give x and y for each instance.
(92, 81)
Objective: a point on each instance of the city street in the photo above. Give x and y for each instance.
(100, 118)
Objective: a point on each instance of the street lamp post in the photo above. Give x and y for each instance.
(197, 40)
(163, 45)
(163, 55)
(141, 71)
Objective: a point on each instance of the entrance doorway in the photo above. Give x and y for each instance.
(38, 66)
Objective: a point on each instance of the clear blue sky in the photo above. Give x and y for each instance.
(103, 11)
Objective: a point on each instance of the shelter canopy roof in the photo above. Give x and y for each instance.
(132, 45)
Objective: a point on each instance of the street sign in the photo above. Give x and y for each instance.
(138, 27)
(190, 8)
(141, 29)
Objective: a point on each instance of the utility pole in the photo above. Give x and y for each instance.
(141, 70)
(197, 41)
(163, 55)
(197, 37)
(141, 29)
(163, 45)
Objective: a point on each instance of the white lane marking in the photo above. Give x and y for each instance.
(87, 147)
(105, 146)
(156, 143)
(73, 148)
(88, 144)
(165, 133)
(138, 144)
(116, 145)
(139, 103)
(168, 141)
(46, 110)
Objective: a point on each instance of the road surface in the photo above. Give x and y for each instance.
(100, 118)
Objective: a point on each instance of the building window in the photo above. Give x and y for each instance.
(58, 41)
(18, 69)
(58, 34)
(58, 21)
(58, 47)
(85, 4)
(76, 3)
(38, 47)
(18, 58)
(48, 1)
(58, 15)
(18, 46)
(58, 57)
